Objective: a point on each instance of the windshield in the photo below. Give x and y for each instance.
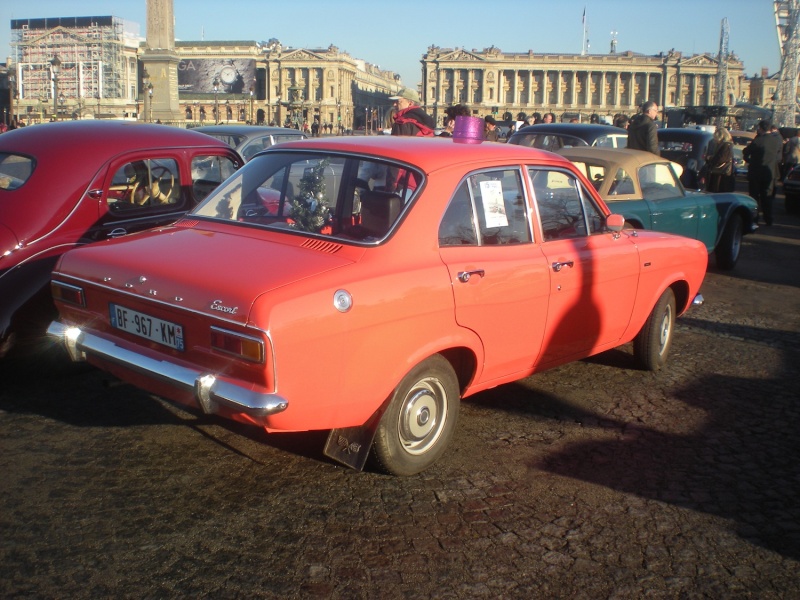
(351, 198)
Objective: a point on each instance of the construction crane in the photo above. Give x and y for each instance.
(722, 68)
(786, 22)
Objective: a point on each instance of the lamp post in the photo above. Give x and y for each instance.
(347, 118)
(339, 117)
(366, 121)
(12, 96)
(147, 88)
(61, 100)
(55, 68)
(251, 105)
(216, 101)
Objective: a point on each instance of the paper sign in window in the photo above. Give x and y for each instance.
(494, 208)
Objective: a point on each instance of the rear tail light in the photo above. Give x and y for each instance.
(246, 347)
(70, 294)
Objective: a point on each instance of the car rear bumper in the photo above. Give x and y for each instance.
(209, 391)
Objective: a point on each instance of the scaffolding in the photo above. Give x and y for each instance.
(787, 13)
(94, 64)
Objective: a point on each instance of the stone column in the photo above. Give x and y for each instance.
(161, 61)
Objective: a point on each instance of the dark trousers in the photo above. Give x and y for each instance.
(760, 187)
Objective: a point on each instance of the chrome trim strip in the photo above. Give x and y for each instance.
(207, 389)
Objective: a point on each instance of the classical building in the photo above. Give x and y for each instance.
(270, 83)
(105, 69)
(571, 85)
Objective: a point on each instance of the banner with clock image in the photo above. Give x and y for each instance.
(234, 76)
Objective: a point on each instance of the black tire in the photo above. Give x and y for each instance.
(420, 420)
(792, 204)
(651, 345)
(730, 244)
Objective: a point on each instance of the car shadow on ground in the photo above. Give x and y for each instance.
(740, 464)
(77, 394)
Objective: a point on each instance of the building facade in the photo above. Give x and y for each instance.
(106, 70)
(571, 85)
(76, 67)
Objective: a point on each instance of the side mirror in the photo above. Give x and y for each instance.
(615, 222)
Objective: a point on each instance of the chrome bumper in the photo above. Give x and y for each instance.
(698, 300)
(209, 391)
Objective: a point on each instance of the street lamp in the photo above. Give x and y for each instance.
(12, 96)
(55, 67)
(216, 101)
(251, 105)
(339, 116)
(366, 121)
(61, 100)
(147, 88)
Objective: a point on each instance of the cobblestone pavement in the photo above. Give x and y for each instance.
(594, 480)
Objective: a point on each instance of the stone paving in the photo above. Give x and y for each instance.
(594, 480)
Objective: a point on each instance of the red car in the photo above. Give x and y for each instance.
(65, 184)
(365, 285)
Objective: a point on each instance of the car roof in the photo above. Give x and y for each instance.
(628, 158)
(83, 138)
(247, 130)
(586, 131)
(429, 153)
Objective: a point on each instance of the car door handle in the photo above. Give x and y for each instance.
(557, 266)
(464, 276)
(118, 232)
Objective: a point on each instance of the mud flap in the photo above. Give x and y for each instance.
(350, 446)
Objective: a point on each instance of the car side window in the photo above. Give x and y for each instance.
(594, 173)
(565, 208)
(142, 184)
(208, 172)
(15, 170)
(658, 181)
(622, 184)
(497, 199)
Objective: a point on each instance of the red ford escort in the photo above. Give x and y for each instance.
(365, 285)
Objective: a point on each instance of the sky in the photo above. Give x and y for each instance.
(395, 35)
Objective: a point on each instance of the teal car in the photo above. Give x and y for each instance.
(646, 189)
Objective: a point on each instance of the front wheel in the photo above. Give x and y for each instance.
(651, 344)
(727, 251)
(420, 419)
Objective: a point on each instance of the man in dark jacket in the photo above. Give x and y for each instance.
(763, 157)
(642, 129)
(410, 119)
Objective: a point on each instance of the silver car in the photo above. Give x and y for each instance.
(248, 140)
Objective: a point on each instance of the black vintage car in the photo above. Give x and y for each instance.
(554, 136)
(689, 148)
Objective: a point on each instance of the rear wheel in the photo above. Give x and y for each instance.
(730, 244)
(420, 420)
(651, 345)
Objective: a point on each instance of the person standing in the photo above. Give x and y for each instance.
(410, 119)
(450, 114)
(762, 156)
(721, 176)
(642, 129)
(491, 134)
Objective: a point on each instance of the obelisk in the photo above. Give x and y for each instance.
(160, 61)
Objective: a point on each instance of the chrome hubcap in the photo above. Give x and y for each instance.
(422, 416)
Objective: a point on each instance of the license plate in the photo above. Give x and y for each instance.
(151, 328)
